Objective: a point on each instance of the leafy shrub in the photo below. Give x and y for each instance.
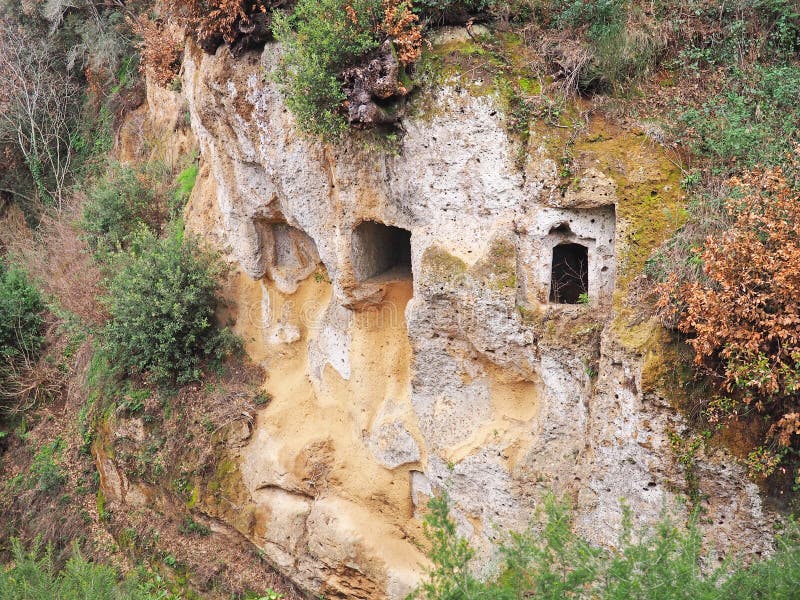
(783, 32)
(742, 315)
(21, 321)
(118, 204)
(45, 473)
(755, 121)
(322, 38)
(191, 527)
(551, 561)
(162, 304)
(738, 33)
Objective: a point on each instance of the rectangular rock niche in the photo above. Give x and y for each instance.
(380, 251)
(574, 250)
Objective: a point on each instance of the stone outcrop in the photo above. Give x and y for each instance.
(428, 355)
(374, 89)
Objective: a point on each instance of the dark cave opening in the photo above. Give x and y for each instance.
(378, 249)
(569, 281)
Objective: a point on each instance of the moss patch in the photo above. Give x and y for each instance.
(440, 265)
(500, 66)
(499, 268)
(667, 371)
(666, 367)
(225, 494)
(651, 203)
(651, 206)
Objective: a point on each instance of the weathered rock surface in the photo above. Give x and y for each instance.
(450, 369)
(370, 87)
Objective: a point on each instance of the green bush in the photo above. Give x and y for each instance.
(192, 527)
(118, 204)
(45, 474)
(551, 561)
(783, 35)
(21, 322)
(162, 304)
(319, 41)
(738, 32)
(756, 121)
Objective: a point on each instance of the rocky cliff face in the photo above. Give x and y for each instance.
(450, 313)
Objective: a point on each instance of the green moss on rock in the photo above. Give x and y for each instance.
(439, 265)
(498, 269)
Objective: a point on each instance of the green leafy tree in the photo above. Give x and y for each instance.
(162, 304)
(551, 561)
(450, 578)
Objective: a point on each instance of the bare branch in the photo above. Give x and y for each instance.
(37, 107)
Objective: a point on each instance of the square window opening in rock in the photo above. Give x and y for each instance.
(380, 250)
(569, 282)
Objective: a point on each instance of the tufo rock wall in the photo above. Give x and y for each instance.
(403, 305)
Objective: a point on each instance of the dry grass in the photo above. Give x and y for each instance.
(58, 260)
(28, 381)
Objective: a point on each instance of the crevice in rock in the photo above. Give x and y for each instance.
(265, 487)
(289, 254)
